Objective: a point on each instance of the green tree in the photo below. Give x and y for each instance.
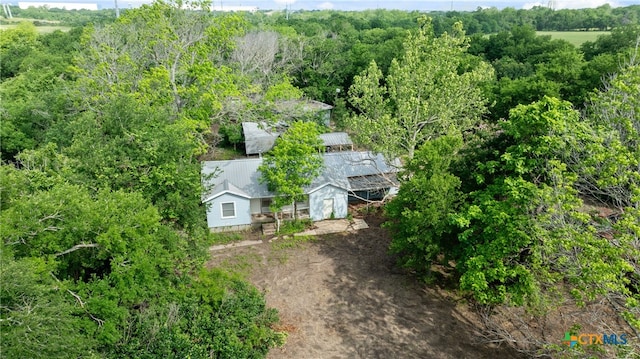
(101, 273)
(429, 193)
(522, 224)
(38, 316)
(293, 163)
(150, 86)
(16, 45)
(609, 167)
(33, 98)
(431, 90)
(513, 226)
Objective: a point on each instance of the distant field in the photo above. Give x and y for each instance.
(41, 29)
(50, 27)
(577, 38)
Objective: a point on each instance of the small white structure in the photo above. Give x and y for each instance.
(57, 5)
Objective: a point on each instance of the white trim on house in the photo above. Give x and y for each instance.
(222, 216)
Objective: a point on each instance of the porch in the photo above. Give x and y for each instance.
(261, 211)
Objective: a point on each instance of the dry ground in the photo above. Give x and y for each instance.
(340, 296)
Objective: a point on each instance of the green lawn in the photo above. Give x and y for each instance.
(577, 38)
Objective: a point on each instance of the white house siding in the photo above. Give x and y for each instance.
(316, 202)
(214, 211)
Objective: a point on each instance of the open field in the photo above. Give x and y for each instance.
(577, 38)
(341, 296)
(44, 29)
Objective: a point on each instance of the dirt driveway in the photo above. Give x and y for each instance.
(340, 296)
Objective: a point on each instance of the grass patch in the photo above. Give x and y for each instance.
(287, 242)
(577, 38)
(242, 264)
(281, 246)
(297, 226)
(370, 209)
(225, 154)
(225, 238)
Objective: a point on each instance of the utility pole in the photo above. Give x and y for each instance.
(552, 5)
(7, 11)
(117, 10)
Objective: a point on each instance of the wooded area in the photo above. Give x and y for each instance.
(513, 144)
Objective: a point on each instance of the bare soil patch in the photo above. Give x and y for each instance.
(341, 296)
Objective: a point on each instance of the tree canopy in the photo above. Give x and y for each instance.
(432, 89)
(520, 174)
(293, 163)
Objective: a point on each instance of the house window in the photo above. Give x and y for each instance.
(228, 210)
(266, 202)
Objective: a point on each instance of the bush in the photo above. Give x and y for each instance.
(295, 226)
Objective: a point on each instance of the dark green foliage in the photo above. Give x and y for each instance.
(39, 318)
(100, 218)
(228, 322)
(232, 133)
(32, 90)
(514, 227)
(530, 67)
(621, 39)
(420, 213)
(117, 278)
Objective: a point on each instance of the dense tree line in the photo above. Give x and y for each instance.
(64, 17)
(482, 20)
(103, 234)
(504, 136)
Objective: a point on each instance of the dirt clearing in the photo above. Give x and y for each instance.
(340, 296)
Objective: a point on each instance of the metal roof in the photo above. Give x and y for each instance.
(242, 177)
(352, 163)
(373, 182)
(242, 173)
(225, 187)
(258, 138)
(301, 106)
(336, 139)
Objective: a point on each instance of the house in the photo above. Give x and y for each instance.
(237, 200)
(260, 138)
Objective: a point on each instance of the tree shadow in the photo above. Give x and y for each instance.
(379, 311)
